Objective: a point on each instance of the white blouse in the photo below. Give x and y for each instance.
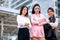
(55, 24)
(21, 20)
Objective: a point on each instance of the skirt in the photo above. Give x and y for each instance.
(23, 34)
(37, 31)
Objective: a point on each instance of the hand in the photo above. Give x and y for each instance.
(43, 20)
(48, 22)
(26, 24)
(37, 24)
(53, 28)
(40, 21)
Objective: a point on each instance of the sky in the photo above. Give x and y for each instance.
(45, 4)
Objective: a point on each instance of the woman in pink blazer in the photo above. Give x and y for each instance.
(37, 20)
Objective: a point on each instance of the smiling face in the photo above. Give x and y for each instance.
(24, 11)
(50, 12)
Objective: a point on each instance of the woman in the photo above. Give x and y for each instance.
(37, 20)
(23, 24)
(53, 21)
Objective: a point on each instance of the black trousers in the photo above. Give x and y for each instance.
(23, 34)
(53, 37)
(49, 32)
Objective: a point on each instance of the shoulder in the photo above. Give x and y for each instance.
(18, 16)
(42, 14)
(57, 19)
(32, 15)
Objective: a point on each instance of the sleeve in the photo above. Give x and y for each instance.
(29, 23)
(19, 21)
(34, 21)
(55, 24)
(44, 21)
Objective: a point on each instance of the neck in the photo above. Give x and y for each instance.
(23, 15)
(52, 16)
(37, 13)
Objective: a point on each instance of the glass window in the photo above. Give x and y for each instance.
(58, 0)
(58, 12)
(17, 3)
(13, 1)
(58, 5)
(27, 3)
(0, 21)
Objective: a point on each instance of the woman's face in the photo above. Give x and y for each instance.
(24, 11)
(37, 9)
(50, 12)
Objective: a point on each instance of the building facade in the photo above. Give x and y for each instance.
(9, 9)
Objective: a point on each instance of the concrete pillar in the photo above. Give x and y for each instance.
(2, 29)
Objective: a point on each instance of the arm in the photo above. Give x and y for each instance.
(34, 21)
(54, 24)
(43, 20)
(29, 23)
(19, 21)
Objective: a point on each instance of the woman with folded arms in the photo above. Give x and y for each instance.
(23, 24)
(53, 21)
(37, 20)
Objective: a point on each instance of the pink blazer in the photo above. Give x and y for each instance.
(38, 20)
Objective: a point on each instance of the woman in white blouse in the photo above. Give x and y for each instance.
(53, 21)
(23, 24)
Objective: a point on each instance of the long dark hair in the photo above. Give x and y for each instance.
(33, 12)
(53, 17)
(22, 10)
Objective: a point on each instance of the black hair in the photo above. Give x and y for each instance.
(53, 17)
(22, 10)
(34, 7)
(50, 8)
